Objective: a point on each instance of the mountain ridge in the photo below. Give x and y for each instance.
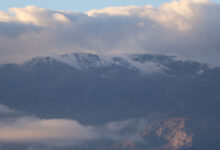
(97, 93)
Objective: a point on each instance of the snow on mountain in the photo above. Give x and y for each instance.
(143, 63)
(85, 61)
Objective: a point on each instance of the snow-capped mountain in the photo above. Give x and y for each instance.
(95, 89)
(86, 61)
(143, 63)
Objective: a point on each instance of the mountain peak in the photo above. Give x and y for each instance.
(88, 60)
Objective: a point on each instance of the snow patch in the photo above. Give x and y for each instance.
(83, 61)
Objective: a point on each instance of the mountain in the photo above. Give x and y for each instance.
(96, 89)
(170, 133)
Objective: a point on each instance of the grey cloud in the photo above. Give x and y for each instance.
(6, 110)
(64, 132)
(30, 130)
(14, 30)
(189, 29)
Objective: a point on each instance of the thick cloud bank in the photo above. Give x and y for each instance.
(48, 131)
(18, 127)
(27, 129)
(189, 29)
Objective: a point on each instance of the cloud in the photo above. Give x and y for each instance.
(174, 14)
(65, 132)
(6, 110)
(188, 29)
(33, 131)
(28, 129)
(33, 15)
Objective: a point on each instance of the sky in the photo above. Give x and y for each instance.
(78, 5)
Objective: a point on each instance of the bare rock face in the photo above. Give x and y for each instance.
(172, 132)
(164, 134)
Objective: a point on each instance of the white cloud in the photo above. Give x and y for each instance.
(33, 15)
(27, 129)
(189, 29)
(175, 13)
(4, 17)
(61, 18)
(65, 132)
(48, 131)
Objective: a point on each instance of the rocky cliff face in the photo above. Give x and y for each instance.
(173, 131)
(164, 134)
